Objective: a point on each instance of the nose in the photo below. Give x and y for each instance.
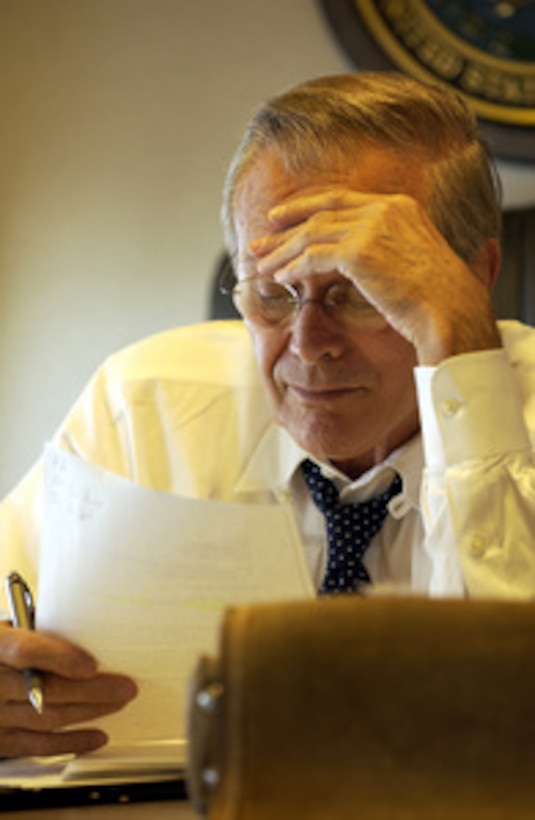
(314, 334)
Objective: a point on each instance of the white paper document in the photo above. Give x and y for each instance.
(140, 579)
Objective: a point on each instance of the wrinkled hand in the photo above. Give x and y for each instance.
(73, 692)
(393, 253)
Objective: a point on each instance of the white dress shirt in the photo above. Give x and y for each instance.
(185, 412)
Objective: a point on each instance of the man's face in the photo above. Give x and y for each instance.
(345, 393)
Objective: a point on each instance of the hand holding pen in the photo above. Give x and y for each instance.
(71, 687)
(23, 617)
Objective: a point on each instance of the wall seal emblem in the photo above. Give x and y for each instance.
(483, 49)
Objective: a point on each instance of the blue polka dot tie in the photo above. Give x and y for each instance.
(350, 529)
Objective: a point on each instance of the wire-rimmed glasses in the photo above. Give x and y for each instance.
(263, 301)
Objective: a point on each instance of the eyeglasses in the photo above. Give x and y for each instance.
(265, 302)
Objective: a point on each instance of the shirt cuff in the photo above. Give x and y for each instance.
(470, 408)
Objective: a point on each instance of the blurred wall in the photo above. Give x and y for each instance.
(118, 120)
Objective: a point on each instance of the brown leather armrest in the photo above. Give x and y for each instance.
(374, 708)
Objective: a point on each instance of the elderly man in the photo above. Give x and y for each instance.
(369, 384)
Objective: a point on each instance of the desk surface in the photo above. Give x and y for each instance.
(163, 810)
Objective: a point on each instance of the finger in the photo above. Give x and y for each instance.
(104, 688)
(22, 743)
(22, 649)
(315, 260)
(278, 251)
(65, 701)
(263, 246)
(317, 223)
(299, 207)
(21, 716)
(115, 690)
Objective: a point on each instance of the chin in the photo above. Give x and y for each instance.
(327, 442)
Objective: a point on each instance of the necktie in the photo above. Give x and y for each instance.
(350, 529)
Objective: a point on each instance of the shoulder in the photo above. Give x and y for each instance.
(212, 352)
(151, 402)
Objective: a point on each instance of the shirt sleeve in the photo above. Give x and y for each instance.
(478, 489)
(20, 527)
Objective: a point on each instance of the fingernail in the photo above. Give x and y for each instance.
(129, 689)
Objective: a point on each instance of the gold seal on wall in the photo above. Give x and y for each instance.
(484, 49)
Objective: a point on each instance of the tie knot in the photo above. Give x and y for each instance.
(350, 528)
(323, 491)
(326, 496)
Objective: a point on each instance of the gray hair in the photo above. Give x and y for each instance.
(330, 116)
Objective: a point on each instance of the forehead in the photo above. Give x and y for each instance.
(269, 181)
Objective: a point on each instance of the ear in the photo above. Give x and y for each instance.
(487, 262)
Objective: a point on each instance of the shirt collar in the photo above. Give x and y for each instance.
(272, 463)
(407, 461)
(277, 457)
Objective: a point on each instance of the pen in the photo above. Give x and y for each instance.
(22, 614)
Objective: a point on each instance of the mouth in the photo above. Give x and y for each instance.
(318, 395)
